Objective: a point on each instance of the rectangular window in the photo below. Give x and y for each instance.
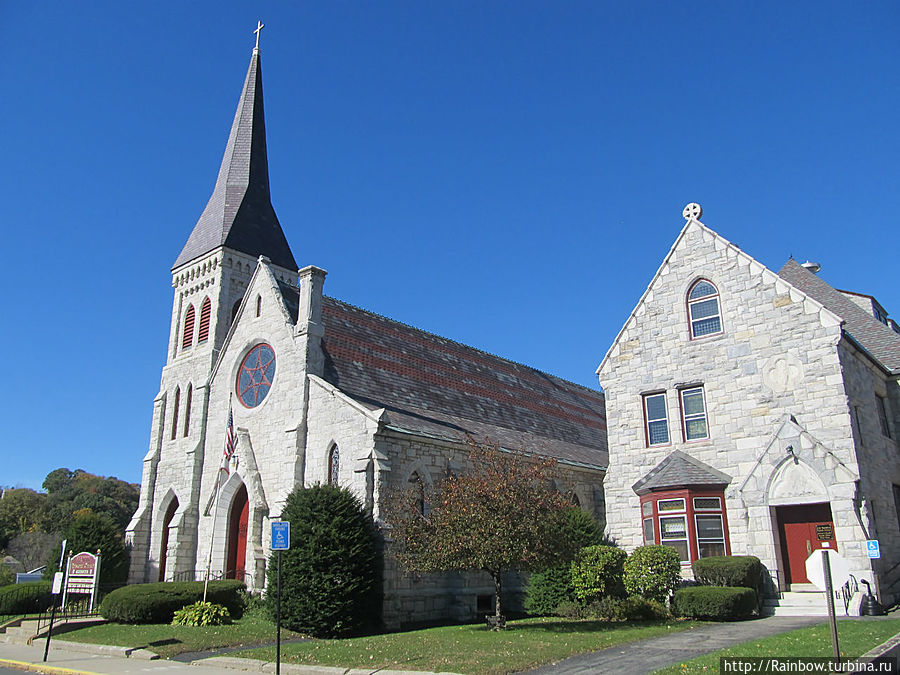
(707, 504)
(648, 531)
(882, 415)
(668, 505)
(693, 414)
(673, 532)
(710, 536)
(656, 419)
(647, 509)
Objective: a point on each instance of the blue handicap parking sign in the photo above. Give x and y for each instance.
(873, 548)
(281, 535)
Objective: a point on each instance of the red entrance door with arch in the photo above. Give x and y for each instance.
(238, 519)
(804, 528)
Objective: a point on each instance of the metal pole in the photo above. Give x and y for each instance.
(50, 629)
(212, 538)
(278, 621)
(829, 594)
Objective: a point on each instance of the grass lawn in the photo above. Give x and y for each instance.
(855, 638)
(470, 648)
(166, 640)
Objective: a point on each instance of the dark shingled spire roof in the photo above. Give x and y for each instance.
(680, 470)
(239, 214)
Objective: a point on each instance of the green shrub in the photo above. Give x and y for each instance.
(330, 576)
(632, 608)
(30, 597)
(157, 603)
(597, 571)
(583, 528)
(548, 589)
(201, 614)
(93, 532)
(721, 603)
(653, 572)
(729, 570)
(571, 610)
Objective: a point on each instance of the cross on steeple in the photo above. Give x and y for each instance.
(259, 26)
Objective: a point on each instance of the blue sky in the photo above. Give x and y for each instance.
(506, 174)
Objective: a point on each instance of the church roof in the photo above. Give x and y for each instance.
(239, 213)
(881, 343)
(679, 470)
(433, 386)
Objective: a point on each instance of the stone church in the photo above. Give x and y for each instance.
(754, 412)
(321, 391)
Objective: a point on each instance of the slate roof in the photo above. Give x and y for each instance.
(882, 343)
(437, 387)
(679, 470)
(239, 213)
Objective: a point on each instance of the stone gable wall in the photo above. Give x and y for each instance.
(776, 358)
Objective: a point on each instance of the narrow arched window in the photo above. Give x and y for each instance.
(203, 331)
(704, 312)
(418, 486)
(334, 465)
(187, 339)
(258, 305)
(187, 410)
(175, 413)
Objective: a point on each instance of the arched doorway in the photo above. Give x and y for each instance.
(238, 518)
(164, 544)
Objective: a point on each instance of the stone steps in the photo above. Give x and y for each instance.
(24, 632)
(794, 603)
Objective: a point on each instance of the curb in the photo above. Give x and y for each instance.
(888, 649)
(259, 666)
(35, 668)
(109, 650)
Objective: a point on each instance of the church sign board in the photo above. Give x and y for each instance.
(82, 574)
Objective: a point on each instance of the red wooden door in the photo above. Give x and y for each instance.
(237, 535)
(804, 528)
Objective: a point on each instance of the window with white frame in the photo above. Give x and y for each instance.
(693, 414)
(694, 525)
(704, 313)
(656, 420)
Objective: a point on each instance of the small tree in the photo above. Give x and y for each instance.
(597, 572)
(502, 514)
(330, 576)
(93, 532)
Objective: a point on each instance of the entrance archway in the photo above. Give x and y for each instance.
(164, 543)
(238, 521)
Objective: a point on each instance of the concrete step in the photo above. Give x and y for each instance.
(795, 603)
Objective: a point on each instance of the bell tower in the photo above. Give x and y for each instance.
(209, 278)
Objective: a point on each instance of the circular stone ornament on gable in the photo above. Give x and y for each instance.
(255, 375)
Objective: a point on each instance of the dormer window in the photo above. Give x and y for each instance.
(704, 313)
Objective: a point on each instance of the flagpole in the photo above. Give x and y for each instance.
(226, 457)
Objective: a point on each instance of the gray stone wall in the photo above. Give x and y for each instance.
(772, 379)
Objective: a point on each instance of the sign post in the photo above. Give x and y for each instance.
(281, 541)
(832, 568)
(54, 593)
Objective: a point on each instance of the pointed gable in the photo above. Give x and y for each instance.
(680, 470)
(239, 213)
(874, 337)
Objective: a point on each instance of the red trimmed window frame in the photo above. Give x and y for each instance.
(690, 514)
(687, 306)
(644, 397)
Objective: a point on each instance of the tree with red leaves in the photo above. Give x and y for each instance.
(502, 514)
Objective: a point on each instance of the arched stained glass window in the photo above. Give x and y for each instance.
(187, 338)
(704, 313)
(334, 465)
(203, 331)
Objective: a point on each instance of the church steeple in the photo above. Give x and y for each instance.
(239, 214)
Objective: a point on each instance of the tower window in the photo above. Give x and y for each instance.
(703, 309)
(187, 339)
(203, 332)
(175, 413)
(187, 410)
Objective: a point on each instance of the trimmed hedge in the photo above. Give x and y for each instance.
(728, 570)
(157, 603)
(27, 598)
(721, 603)
(597, 571)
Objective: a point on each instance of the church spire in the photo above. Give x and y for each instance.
(239, 214)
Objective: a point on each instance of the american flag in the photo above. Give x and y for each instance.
(230, 439)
